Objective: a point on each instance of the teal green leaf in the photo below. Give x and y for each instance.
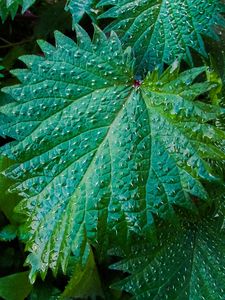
(187, 264)
(85, 281)
(96, 154)
(1, 68)
(4, 99)
(8, 233)
(11, 7)
(15, 287)
(79, 8)
(162, 30)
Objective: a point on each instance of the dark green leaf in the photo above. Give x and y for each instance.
(8, 201)
(1, 68)
(15, 287)
(44, 291)
(85, 281)
(162, 30)
(186, 264)
(11, 7)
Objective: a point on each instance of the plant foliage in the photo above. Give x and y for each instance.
(161, 30)
(79, 8)
(187, 263)
(112, 163)
(11, 7)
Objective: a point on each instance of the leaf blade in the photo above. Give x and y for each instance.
(178, 266)
(87, 143)
(160, 32)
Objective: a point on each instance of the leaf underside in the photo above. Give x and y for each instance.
(97, 156)
(187, 264)
(162, 30)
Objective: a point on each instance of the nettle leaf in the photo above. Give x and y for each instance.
(79, 8)
(186, 264)
(97, 154)
(162, 30)
(4, 99)
(11, 7)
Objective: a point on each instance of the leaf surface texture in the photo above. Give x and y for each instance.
(186, 264)
(162, 30)
(11, 7)
(97, 156)
(79, 8)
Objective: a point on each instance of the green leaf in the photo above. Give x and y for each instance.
(8, 201)
(213, 76)
(15, 287)
(85, 281)
(44, 291)
(11, 7)
(1, 68)
(162, 30)
(79, 8)
(8, 233)
(186, 264)
(217, 54)
(4, 99)
(96, 155)
(12, 55)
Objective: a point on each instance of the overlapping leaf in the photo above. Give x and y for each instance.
(76, 8)
(79, 8)
(96, 155)
(161, 30)
(186, 264)
(8, 201)
(15, 286)
(85, 281)
(11, 7)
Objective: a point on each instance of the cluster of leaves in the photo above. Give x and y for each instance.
(112, 163)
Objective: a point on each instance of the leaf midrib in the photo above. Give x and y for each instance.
(89, 166)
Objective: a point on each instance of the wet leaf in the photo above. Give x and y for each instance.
(98, 155)
(187, 264)
(79, 8)
(162, 30)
